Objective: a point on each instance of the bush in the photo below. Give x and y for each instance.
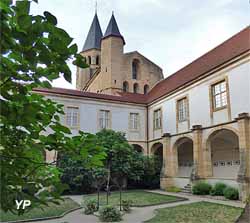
(110, 214)
(218, 189)
(126, 205)
(90, 206)
(173, 189)
(201, 188)
(231, 193)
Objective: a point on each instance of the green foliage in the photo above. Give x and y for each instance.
(173, 189)
(231, 193)
(126, 205)
(34, 52)
(201, 188)
(110, 214)
(90, 206)
(218, 189)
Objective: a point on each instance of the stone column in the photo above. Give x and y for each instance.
(244, 149)
(197, 152)
(166, 180)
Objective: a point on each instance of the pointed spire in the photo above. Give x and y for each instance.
(112, 29)
(93, 40)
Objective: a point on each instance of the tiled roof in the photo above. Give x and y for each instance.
(112, 29)
(228, 50)
(125, 97)
(93, 40)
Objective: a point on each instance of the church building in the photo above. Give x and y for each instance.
(197, 119)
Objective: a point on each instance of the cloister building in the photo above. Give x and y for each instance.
(196, 119)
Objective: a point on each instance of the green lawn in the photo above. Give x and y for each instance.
(200, 212)
(140, 198)
(48, 211)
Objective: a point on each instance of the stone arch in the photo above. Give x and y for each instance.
(223, 157)
(136, 88)
(183, 156)
(125, 86)
(146, 89)
(138, 148)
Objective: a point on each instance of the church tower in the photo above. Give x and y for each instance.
(92, 53)
(112, 57)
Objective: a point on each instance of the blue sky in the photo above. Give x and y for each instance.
(171, 33)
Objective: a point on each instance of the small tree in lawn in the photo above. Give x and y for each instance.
(34, 52)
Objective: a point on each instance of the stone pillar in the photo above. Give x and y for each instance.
(166, 180)
(197, 152)
(244, 149)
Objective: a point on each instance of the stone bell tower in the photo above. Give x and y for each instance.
(92, 53)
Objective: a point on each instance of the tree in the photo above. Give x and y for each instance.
(34, 51)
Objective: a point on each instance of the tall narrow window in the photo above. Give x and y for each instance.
(157, 119)
(219, 92)
(104, 119)
(136, 88)
(125, 86)
(182, 109)
(146, 89)
(89, 59)
(135, 69)
(134, 121)
(97, 60)
(72, 116)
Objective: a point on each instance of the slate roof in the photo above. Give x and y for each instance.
(93, 40)
(112, 29)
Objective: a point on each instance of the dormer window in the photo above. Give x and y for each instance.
(97, 60)
(89, 60)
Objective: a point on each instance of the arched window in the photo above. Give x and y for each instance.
(135, 67)
(97, 60)
(146, 88)
(125, 86)
(136, 88)
(89, 59)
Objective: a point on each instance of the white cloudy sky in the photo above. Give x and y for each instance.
(169, 32)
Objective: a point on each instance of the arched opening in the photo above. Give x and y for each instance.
(138, 148)
(89, 60)
(125, 86)
(136, 88)
(135, 69)
(184, 156)
(224, 149)
(146, 89)
(97, 60)
(157, 151)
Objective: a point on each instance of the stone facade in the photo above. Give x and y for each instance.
(117, 71)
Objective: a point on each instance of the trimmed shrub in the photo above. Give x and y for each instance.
(218, 189)
(231, 193)
(90, 206)
(109, 214)
(126, 205)
(173, 189)
(201, 188)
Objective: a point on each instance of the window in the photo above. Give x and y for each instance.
(157, 119)
(72, 116)
(104, 119)
(134, 121)
(182, 109)
(125, 86)
(97, 60)
(136, 88)
(135, 69)
(89, 58)
(219, 93)
(146, 88)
